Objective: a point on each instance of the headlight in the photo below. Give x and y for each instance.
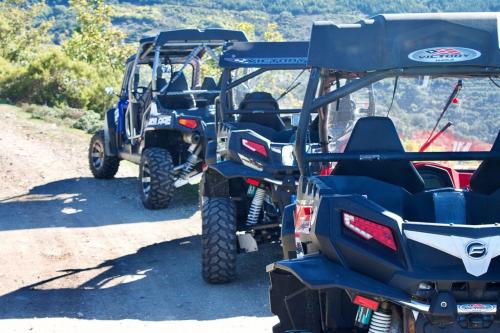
(287, 157)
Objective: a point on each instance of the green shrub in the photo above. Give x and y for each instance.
(90, 122)
(8, 74)
(86, 120)
(55, 80)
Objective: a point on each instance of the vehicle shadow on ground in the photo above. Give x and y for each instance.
(89, 202)
(156, 283)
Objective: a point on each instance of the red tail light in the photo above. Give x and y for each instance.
(366, 302)
(255, 147)
(370, 230)
(189, 123)
(253, 182)
(303, 217)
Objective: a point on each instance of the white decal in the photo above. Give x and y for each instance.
(268, 61)
(164, 120)
(476, 254)
(444, 54)
(153, 121)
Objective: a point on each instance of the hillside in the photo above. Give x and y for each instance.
(294, 17)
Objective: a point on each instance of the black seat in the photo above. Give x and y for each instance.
(184, 101)
(261, 101)
(486, 179)
(206, 99)
(372, 135)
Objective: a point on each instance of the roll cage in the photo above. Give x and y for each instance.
(186, 47)
(261, 57)
(336, 52)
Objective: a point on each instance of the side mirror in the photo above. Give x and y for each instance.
(109, 90)
(295, 119)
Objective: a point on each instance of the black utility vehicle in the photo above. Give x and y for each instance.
(251, 173)
(162, 117)
(382, 247)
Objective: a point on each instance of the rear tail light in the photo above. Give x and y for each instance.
(370, 230)
(253, 182)
(303, 217)
(189, 123)
(255, 147)
(366, 302)
(326, 169)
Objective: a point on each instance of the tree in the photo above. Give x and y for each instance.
(272, 34)
(95, 40)
(20, 35)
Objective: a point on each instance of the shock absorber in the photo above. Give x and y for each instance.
(193, 150)
(380, 322)
(256, 206)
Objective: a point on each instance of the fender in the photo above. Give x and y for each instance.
(317, 272)
(211, 152)
(110, 148)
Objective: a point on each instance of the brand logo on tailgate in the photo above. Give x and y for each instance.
(444, 54)
(476, 250)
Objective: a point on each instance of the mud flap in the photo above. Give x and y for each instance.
(296, 306)
(192, 180)
(247, 243)
(288, 233)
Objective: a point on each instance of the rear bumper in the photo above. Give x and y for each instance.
(317, 272)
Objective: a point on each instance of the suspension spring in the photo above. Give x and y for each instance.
(256, 206)
(380, 323)
(191, 161)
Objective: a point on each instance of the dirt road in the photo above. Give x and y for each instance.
(80, 254)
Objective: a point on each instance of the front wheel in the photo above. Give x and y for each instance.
(101, 166)
(218, 238)
(156, 175)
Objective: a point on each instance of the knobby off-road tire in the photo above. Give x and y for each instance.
(101, 166)
(156, 175)
(218, 239)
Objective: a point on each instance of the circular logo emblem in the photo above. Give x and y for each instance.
(444, 54)
(476, 250)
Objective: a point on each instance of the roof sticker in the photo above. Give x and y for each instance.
(441, 54)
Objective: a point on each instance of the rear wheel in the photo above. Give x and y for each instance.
(218, 240)
(156, 175)
(101, 166)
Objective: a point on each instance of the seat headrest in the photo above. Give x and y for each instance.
(209, 83)
(259, 100)
(180, 84)
(185, 101)
(378, 134)
(367, 129)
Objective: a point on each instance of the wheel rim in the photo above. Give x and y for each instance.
(97, 155)
(145, 179)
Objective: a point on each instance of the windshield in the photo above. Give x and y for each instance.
(417, 108)
(286, 86)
